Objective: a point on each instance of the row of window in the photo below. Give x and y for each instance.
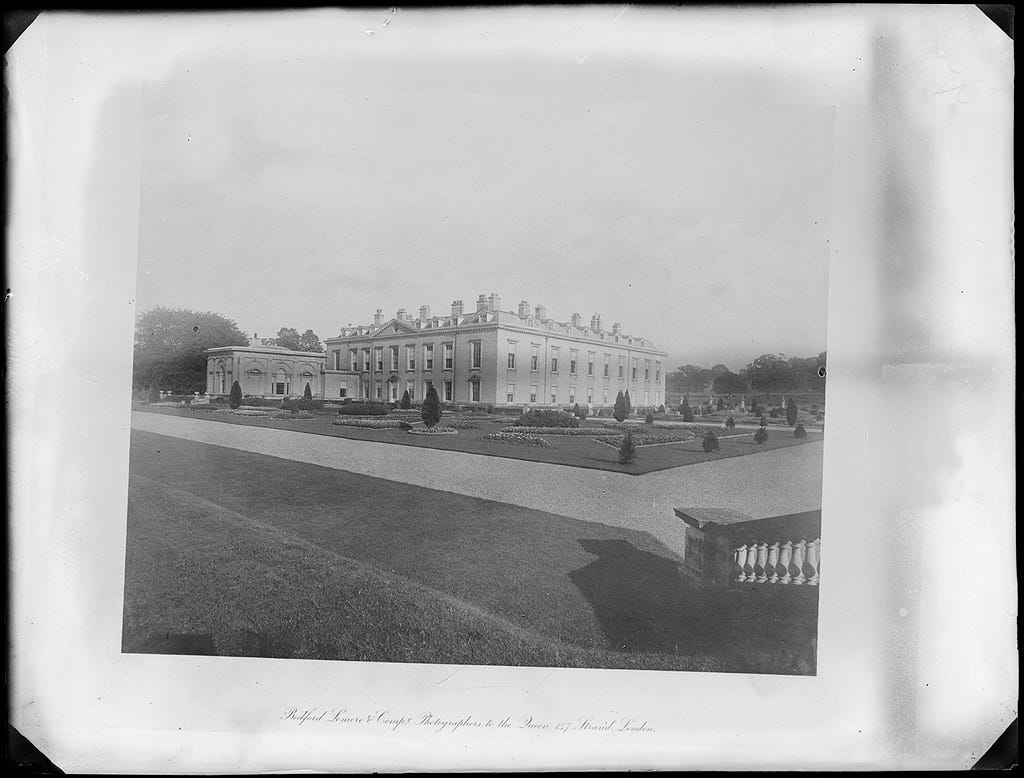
(392, 389)
(359, 359)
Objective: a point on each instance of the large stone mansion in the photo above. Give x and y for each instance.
(490, 356)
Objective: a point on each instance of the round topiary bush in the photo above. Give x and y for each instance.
(649, 419)
(761, 435)
(627, 450)
(730, 422)
(710, 441)
(799, 432)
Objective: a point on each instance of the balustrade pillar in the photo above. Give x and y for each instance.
(813, 560)
(785, 559)
(751, 561)
(799, 556)
(773, 562)
(762, 563)
(740, 559)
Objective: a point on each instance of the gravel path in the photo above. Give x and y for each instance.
(786, 480)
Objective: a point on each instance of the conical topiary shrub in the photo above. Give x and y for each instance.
(627, 450)
(431, 410)
(710, 441)
(154, 394)
(307, 393)
(235, 398)
(799, 432)
(761, 435)
(406, 403)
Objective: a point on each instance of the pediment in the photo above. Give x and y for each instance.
(394, 327)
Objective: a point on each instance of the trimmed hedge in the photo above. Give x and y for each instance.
(588, 431)
(363, 409)
(541, 418)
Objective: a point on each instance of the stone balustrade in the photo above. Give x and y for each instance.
(778, 563)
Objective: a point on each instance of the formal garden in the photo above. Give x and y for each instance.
(622, 438)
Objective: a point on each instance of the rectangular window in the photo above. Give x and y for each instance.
(447, 351)
(657, 397)
(647, 370)
(410, 357)
(554, 395)
(622, 367)
(607, 365)
(604, 400)
(279, 388)
(366, 391)
(533, 393)
(572, 394)
(647, 397)
(393, 390)
(554, 360)
(394, 358)
(428, 356)
(474, 391)
(534, 359)
(343, 391)
(410, 387)
(353, 360)
(447, 391)
(573, 358)
(633, 374)
(590, 363)
(510, 393)
(426, 387)
(590, 395)
(378, 358)
(474, 354)
(366, 359)
(380, 390)
(337, 359)
(511, 355)
(657, 371)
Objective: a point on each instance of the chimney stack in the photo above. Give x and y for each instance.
(424, 312)
(482, 303)
(400, 314)
(456, 307)
(541, 312)
(616, 329)
(378, 318)
(524, 309)
(495, 302)
(595, 322)
(577, 320)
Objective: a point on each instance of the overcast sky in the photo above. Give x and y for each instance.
(702, 225)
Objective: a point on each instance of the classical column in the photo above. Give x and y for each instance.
(762, 563)
(773, 562)
(813, 560)
(751, 561)
(785, 558)
(739, 559)
(799, 551)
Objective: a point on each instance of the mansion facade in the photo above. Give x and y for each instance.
(489, 356)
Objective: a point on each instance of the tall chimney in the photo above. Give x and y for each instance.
(577, 320)
(524, 308)
(456, 307)
(541, 312)
(424, 312)
(400, 314)
(616, 329)
(378, 318)
(482, 303)
(595, 322)
(495, 302)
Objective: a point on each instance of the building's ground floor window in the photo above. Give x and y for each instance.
(533, 393)
(343, 392)
(554, 394)
(280, 387)
(605, 397)
(510, 393)
(448, 391)
(366, 391)
(393, 390)
(379, 390)
(474, 391)
(572, 394)
(590, 395)
(426, 387)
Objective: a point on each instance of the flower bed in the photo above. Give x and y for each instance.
(556, 431)
(433, 431)
(642, 438)
(300, 416)
(517, 439)
(464, 424)
(249, 411)
(370, 423)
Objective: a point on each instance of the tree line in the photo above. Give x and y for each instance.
(769, 373)
(171, 343)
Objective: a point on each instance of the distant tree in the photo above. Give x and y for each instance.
(431, 410)
(689, 378)
(154, 394)
(769, 373)
(799, 432)
(649, 419)
(406, 400)
(619, 411)
(170, 347)
(627, 450)
(710, 441)
(729, 383)
(686, 410)
(791, 412)
(627, 403)
(761, 435)
(309, 341)
(235, 398)
(289, 338)
(721, 404)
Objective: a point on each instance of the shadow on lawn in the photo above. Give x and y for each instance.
(643, 604)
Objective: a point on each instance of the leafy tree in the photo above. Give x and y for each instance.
(799, 432)
(627, 403)
(406, 400)
(686, 410)
(289, 338)
(235, 398)
(431, 410)
(627, 450)
(791, 412)
(689, 378)
(729, 383)
(309, 341)
(769, 373)
(170, 347)
(761, 435)
(710, 441)
(619, 411)
(721, 404)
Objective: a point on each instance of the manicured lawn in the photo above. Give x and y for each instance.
(565, 450)
(234, 553)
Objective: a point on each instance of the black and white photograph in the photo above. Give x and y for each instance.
(415, 375)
